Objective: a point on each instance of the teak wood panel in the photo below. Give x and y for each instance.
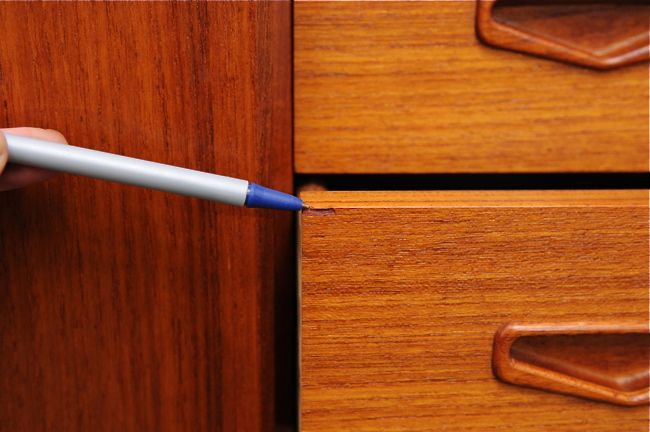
(402, 294)
(407, 87)
(127, 309)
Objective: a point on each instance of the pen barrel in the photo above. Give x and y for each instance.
(122, 169)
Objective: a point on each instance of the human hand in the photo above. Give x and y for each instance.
(16, 176)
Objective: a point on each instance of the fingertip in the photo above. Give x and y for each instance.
(4, 154)
(55, 136)
(38, 133)
(18, 176)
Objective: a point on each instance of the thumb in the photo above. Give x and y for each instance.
(4, 154)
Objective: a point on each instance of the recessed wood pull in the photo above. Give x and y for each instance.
(603, 34)
(596, 361)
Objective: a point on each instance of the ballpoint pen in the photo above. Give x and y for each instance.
(138, 172)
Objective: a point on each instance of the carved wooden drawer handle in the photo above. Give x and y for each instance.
(597, 361)
(603, 34)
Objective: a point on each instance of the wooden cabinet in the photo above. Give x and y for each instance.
(127, 309)
(402, 294)
(408, 87)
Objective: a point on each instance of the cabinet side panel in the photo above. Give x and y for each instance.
(129, 309)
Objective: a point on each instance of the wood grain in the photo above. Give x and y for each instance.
(601, 361)
(400, 303)
(127, 309)
(602, 34)
(407, 87)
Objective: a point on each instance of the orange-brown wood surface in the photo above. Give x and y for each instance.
(407, 87)
(127, 309)
(402, 294)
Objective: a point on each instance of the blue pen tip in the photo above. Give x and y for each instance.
(262, 197)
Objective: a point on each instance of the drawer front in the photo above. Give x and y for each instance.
(402, 294)
(407, 87)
